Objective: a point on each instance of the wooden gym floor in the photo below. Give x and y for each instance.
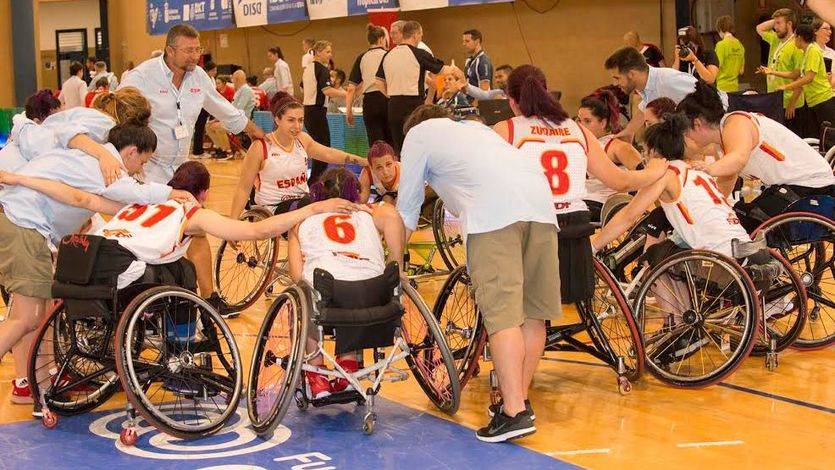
(756, 419)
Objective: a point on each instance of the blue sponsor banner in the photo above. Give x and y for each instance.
(285, 11)
(202, 15)
(361, 7)
(458, 3)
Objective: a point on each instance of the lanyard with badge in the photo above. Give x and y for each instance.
(776, 56)
(180, 131)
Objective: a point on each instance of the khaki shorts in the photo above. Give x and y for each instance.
(515, 274)
(25, 261)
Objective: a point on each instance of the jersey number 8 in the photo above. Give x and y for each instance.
(554, 162)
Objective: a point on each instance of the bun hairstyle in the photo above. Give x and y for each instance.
(704, 103)
(40, 105)
(283, 101)
(336, 182)
(603, 104)
(191, 176)
(375, 33)
(379, 149)
(125, 105)
(528, 88)
(667, 137)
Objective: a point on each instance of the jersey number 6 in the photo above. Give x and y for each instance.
(339, 229)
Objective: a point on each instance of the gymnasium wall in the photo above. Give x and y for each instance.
(7, 92)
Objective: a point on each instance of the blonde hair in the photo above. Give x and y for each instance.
(126, 106)
(321, 45)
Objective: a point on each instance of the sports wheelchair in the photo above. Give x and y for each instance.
(605, 329)
(701, 313)
(372, 314)
(167, 348)
(446, 241)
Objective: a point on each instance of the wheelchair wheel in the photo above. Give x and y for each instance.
(806, 241)
(447, 231)
(243, 269)
(612, 206)
(698, 313)
(71, 363)
(430, 358)
(614, 331)
(277, 360)
(460, 321)
(185, 378)
(785, 309)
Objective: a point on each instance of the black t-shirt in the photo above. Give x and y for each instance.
(653, 55)
(707, 57)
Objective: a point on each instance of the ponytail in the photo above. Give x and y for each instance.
(527, 87)
(603, 104)
(704, 103)
(126, 106)
(667, 137)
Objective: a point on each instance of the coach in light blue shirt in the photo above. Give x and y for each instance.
(504, 203)
(30, 209)
(178, 89)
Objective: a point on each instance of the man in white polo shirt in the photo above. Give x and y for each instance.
(178, 89)
(507, 215)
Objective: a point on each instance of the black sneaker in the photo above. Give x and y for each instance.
(493, 409)
(221, 306)
(504, 428)
(37, 410)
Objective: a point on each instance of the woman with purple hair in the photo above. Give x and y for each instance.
(347, 246)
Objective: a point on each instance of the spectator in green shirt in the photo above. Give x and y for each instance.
(813, 79)
(731, 56)
(784, 61)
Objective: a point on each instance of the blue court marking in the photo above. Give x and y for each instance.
(773, 396)
(324, 438)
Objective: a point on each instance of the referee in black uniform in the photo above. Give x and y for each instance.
(363, 80)
(403, 74)
(317, 89)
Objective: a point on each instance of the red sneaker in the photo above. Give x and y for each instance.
(317, 385)
(21, 395)
(340, 385)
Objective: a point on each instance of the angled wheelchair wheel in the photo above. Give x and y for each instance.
(244, 269)
(805, 240)
(698, 314)
(447, 231)
(277, 360)
(71, 363)
(612, 206)
(185, 378)
(430, 359)
(460, 321)
(785, 309)
(612, 326)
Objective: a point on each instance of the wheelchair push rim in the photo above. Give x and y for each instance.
(277, 360)
(711, 327)
(186, 378)
(430, 358)
(243, 273)
(68, 366)
(447, 232)
(814, 263)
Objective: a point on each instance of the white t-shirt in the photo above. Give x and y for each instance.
(73, 92)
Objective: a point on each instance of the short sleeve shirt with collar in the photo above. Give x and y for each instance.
(818, 90)
(316, 78)
(783, 56)
(365, 69)
(404, 68)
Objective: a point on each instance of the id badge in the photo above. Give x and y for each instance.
(180, 132)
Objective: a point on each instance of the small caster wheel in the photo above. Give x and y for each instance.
(368, 423)
(128, 436)
(301, 401)
(49, 419)
(771, 361)
(624, 386)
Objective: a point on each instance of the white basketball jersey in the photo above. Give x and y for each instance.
(781, 157)
(378, 187)
(595, 189)
(346, 245)
(155, 234)
(283, 175)
(562, 152)
(701, 214)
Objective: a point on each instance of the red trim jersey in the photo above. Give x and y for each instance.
(781, 157)
(596, 190)
(562, 150)
(283, 175)
(701, 215)
(378, 188)
(155, 234)
(346, 245)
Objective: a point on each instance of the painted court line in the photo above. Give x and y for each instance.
(709, 444)
(793, 401)
(579, 452)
